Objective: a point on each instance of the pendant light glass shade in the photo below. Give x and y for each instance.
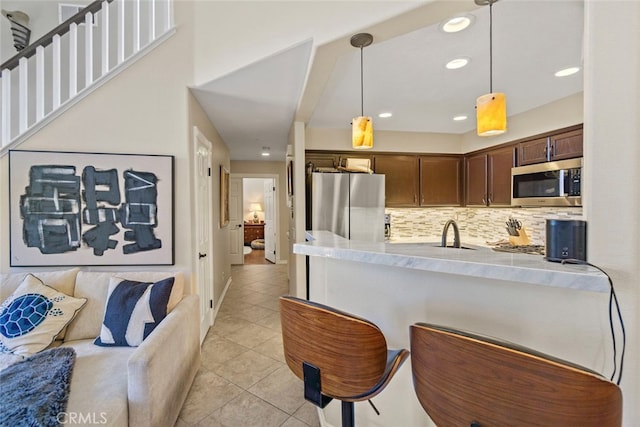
(491, 109)
(362, 126)
(491, 112)
(362, 133)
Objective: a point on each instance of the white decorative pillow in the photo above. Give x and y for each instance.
(32, 317)
(133, 311)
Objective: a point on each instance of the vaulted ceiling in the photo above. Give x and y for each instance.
(404, 73)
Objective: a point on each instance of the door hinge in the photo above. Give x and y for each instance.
(274, 188)
(210, 303)
(209, 171)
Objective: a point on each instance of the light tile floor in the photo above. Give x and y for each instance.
(243, 380)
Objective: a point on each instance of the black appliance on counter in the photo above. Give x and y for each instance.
(566, 240)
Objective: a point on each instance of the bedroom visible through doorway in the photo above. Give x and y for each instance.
(258, 220)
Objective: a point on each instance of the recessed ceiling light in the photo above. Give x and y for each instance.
(457, 23)
(385, 115)
(460, 118)
(265, 151)
(567, 72)
(454, 64)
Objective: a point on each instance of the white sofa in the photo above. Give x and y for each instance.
(125, 386)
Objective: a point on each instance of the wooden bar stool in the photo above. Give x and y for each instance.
(467, 379)
(337, 355)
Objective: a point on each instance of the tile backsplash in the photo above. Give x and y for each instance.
(477, 225)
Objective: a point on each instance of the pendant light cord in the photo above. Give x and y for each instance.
(491, 47)
(361, 84)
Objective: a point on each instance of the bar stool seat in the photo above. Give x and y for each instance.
(337, 355)
(462, 378)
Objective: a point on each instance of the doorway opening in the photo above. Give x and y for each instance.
(256, 235)
(254, 213)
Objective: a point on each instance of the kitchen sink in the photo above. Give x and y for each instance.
(431, 244)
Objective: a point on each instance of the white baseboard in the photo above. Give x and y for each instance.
(219, 303)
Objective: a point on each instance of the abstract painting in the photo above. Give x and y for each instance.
(90, 209)
(224, 196)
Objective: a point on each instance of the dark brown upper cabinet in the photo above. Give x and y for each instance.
(488, 177)
(441, 180)
(559, 146)
(401, 179)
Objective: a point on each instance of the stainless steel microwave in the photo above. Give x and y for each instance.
(547, 184)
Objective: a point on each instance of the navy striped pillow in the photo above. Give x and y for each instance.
(133, 310)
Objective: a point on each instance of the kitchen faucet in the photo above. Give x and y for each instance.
(456, 234)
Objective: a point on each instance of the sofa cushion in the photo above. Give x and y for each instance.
(95, 286)
(33, 316)
(133, 310)
(99, 384)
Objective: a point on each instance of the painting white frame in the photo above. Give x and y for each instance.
(160, 225)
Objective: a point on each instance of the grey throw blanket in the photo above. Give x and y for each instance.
(35, 391)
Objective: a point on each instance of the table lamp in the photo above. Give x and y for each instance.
(255, 207)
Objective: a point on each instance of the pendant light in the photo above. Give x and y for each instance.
(491, 109)
(362, 132)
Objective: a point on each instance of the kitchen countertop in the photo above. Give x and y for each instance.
(477, 262)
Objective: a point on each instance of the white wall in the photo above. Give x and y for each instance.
(420, 142)
(221, 272)
(131, 115)
(612, 155)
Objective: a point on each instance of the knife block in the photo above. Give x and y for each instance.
(521, 239)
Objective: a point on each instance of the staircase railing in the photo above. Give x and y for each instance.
(66, 64)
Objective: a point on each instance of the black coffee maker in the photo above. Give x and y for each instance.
(566, 240)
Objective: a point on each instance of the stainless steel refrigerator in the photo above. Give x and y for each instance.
(348, 204)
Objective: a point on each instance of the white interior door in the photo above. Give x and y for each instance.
(269, 221)
(204, 248)
(236, 222)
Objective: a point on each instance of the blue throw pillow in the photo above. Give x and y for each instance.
(32, 317)
(133, 310)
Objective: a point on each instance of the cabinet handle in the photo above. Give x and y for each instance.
(547, 149)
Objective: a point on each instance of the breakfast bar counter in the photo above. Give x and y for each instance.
(472, 260)
(558, 309)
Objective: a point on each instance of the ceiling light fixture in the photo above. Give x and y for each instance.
(454, 64)
(265, 151)
(385, 115)
(491, 109)
(567, 72)
(19, 28)
(460, 118)
(362, 126)
(457, 23)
